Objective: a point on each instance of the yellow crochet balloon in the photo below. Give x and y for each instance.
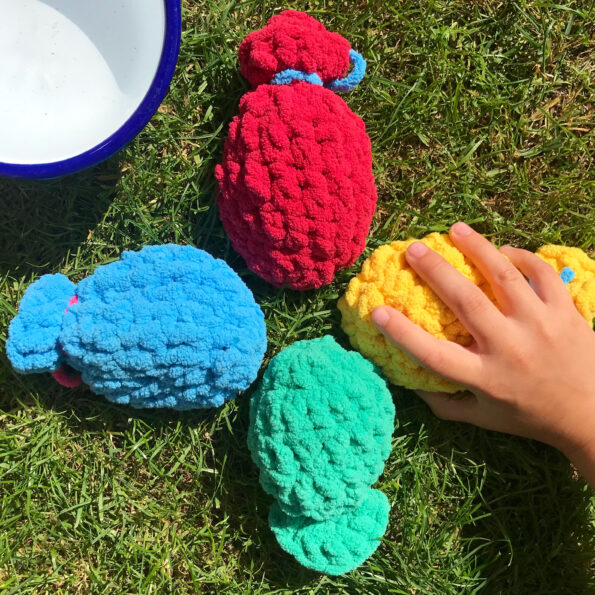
(387, 279)
(581, 279)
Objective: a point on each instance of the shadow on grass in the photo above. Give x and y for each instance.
(241, 505)
(46, 219)
(223, 89)
(532, 533)
(244, 510)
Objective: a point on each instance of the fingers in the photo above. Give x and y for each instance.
(470, 305)
(542, 276)
(509, 286)
(458, 407)
(450, 360)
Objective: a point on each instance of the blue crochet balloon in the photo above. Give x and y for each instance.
(168, 326)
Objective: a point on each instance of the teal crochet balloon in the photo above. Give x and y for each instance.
(320, 431)
(339, 544)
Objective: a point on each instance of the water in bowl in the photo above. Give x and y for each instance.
(72, 72)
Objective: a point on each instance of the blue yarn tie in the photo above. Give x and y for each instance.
(352, 80)
(285, 77)
(567, 275)
(344, 85)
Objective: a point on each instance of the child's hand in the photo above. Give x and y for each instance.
(531, 368)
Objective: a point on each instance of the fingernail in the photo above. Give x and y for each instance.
(417, 249)
(461, 229)
(380, 316)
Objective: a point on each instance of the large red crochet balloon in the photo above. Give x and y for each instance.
(297, 191)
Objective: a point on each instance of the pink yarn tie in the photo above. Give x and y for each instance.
(61, 376)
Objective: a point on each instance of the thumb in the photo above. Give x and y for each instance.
(461, 406)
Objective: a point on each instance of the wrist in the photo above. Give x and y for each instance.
(580, 451)
(584, 461)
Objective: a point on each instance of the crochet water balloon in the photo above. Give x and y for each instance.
(168, 326)
(297, 192)
(320, 431)
(387, 279)
(577, 271)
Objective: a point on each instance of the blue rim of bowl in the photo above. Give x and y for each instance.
(135, 123)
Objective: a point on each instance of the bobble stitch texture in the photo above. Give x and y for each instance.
(387, 279)
(32, 346)
(320, 431)
(581, 285)
(168, 326)
(338, 544)
(297, 192)
(293, 40)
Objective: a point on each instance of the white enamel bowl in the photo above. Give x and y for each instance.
(79, 79)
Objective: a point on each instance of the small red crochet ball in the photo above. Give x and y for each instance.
(297, 191)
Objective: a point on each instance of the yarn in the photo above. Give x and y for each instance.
(567, 275)
(354, 78)
(168, 326)
(288, 76)
(344, 85)
(577, 271)
(387, 279)
(320, 431)
(297, 41)
(297, 191)
(32, 346)
(338, 544)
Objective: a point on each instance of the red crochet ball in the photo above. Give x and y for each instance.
(295, 40)
(297, 191)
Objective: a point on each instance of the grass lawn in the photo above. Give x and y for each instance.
(479, 111)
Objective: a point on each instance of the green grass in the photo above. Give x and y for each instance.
(480, 111)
